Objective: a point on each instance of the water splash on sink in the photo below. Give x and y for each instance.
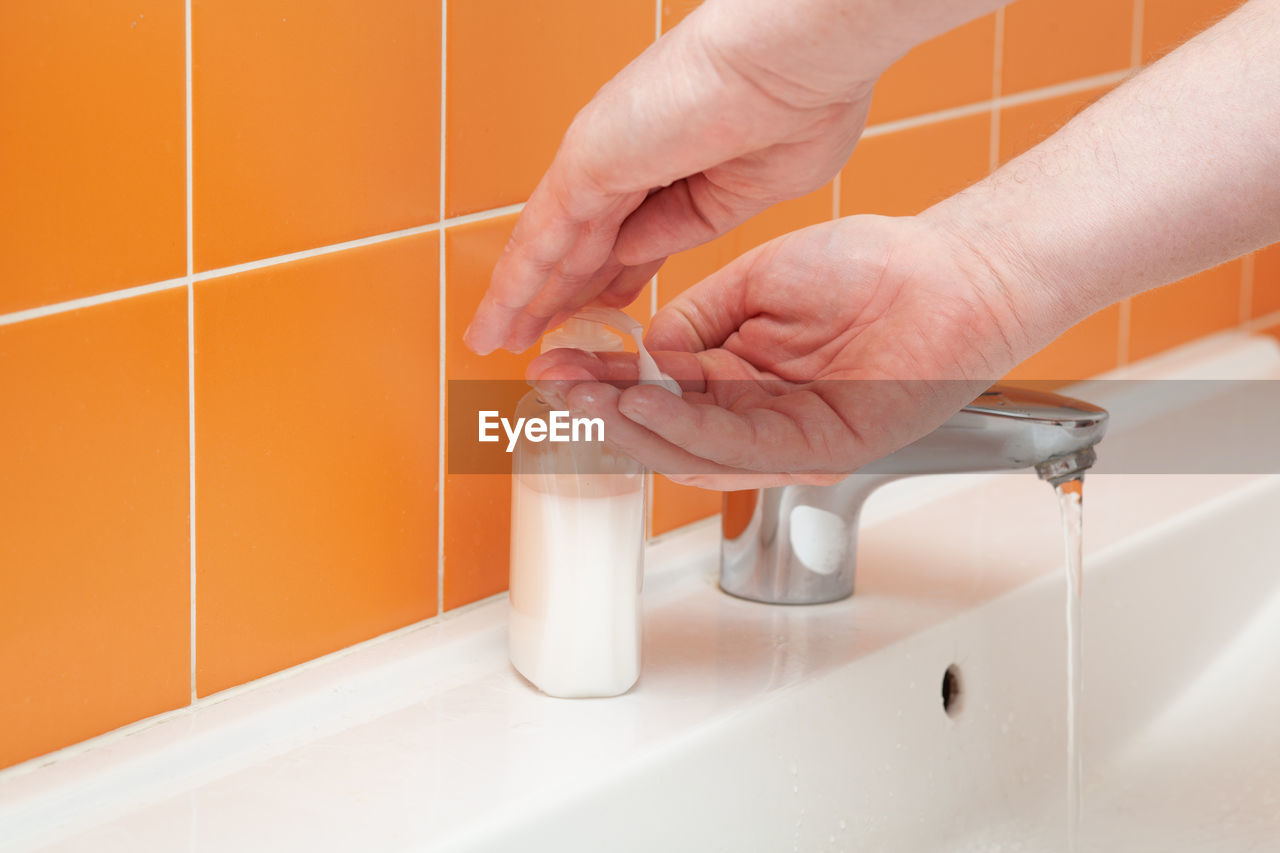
(1070, 500)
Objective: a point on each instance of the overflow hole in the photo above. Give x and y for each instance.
(952, 694)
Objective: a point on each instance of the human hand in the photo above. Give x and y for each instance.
(806, 358)
(740, 106)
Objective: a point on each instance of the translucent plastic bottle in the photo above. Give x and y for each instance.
(577, 552)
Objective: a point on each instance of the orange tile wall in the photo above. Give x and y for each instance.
(221, 352)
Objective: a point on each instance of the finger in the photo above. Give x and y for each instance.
(626, 286)
(705, 315)
(798, 431)
(542, 234)
(555, 371)
(598, 400)
(563, 210)
(613, 285)
(549, 309)
(688, 213)
(586, 269)
(563, 293)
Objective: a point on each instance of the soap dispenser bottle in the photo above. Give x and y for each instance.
(577, 551)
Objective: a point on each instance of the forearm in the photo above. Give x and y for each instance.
(832, 44)
(1172, 173)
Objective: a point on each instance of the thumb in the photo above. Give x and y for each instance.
(688, 213)
(705, 315)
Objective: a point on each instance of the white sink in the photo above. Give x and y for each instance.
(765, 728)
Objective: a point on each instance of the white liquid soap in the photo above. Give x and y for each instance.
(574, 621)
(577, 543)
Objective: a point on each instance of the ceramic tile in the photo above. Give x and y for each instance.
(675, 505)
(477, 507)
(518, 73)
(92, 157)
(316, 459)
(951, 70)
(905, 172)
(93, 521)
(314, 123)
(1176, 313)
(1048, 42)
(1168, 23)
(675, 11)
(1266, 282)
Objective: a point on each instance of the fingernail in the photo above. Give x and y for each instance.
(468, 338)
(552, 391)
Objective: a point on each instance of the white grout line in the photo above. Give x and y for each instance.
(835, 195)
(360, 242)
(1135, 46)
(441, 381)
(316, 252)
(169, 284)
(1002, 102)
(89, 301)
(191, 361)
(657, 19)
(997, 84)
(188, 143)
(1246, 288)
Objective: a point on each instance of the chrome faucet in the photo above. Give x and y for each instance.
(798, 544)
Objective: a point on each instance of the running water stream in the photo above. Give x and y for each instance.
(1070, 498)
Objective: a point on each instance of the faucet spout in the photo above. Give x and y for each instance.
(798, 544)
(1063, 469)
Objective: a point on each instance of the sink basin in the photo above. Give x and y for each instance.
(771, 728)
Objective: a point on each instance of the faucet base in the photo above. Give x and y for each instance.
(817, 564)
